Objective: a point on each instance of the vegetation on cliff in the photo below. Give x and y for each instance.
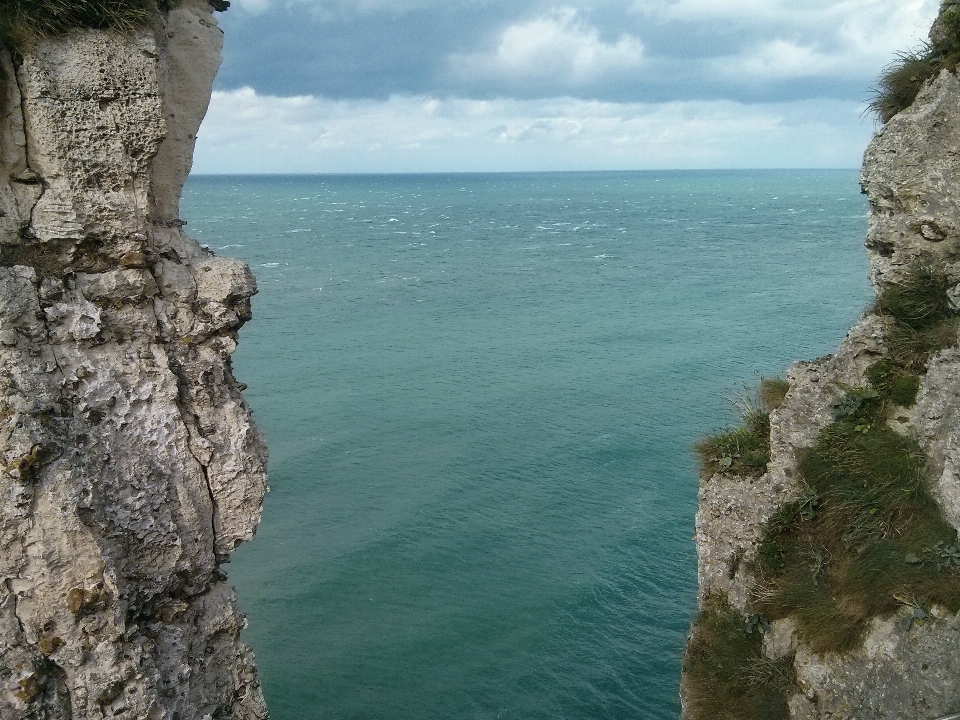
(903, 79)
(23, 21)
(744, 450)
(864, 538)
(728, 675)
(922, 319)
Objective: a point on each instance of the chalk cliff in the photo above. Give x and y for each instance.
(130, 467)
(904, 662)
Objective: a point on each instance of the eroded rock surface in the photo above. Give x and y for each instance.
(130, 467)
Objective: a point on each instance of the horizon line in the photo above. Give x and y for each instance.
(360, 173)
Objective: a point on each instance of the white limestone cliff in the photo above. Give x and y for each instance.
(130, 466)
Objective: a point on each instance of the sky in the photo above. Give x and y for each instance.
(383, 86)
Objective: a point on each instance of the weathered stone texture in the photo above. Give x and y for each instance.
(129, 464)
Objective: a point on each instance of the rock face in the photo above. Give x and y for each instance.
(130, 467)
(911, 175)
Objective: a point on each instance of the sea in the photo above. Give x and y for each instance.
(480, 393)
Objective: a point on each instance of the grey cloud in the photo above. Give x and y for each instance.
(613, 50)
(288, 50)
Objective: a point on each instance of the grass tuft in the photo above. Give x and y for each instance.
(898, 386)
(865, 534)
(24, 21)
(726, 674)
(919, 301)
(924, 321)
(772, 392)
(902, 80)
(743, 450)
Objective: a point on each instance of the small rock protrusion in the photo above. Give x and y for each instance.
(51, 289)
(31, 686)
(931, 232)
(49, 645)
(81, 601)
(27, 177)
(133, 260)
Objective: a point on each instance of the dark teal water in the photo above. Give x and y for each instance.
(480, 392)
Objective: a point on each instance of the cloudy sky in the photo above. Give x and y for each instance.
(504, 85)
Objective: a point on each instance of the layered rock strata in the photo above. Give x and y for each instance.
(130, 467)
(911, 176)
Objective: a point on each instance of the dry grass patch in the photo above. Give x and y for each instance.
(24, 21)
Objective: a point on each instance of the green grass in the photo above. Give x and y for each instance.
(864, 536)
(726, 675)
(903, 79)
(24, 21)
(923, 319)
(741, 451)
(919, 300)
(744, 450)
(894, 384)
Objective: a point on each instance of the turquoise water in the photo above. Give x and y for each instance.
(480, 392)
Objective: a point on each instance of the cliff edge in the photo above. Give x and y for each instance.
(828, 577)
(130, 467)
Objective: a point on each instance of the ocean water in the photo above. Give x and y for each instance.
(480, 393)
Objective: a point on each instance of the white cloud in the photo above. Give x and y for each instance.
(610, 49)
(810, 12)
(817, 38)
(558, 47)
(253, 6)
(248, 132)
(340, 9)
(778, 60)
